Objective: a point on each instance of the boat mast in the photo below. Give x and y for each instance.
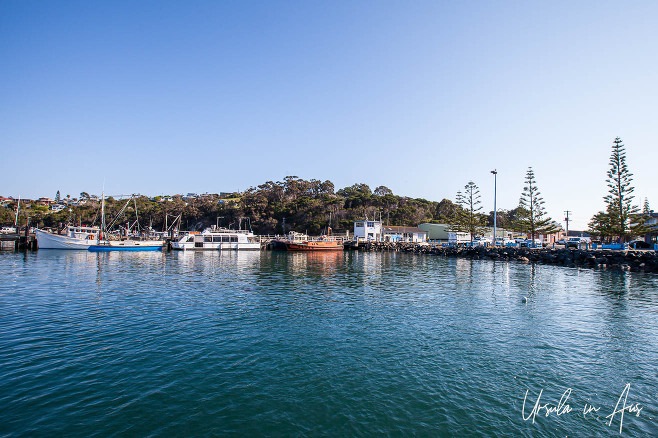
(18, 206)
(103, 231)
(136, 216)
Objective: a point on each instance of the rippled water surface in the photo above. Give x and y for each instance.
(342, 344)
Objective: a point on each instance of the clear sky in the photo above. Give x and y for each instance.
(159, 97)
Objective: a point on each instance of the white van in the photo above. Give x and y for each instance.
(574, 242)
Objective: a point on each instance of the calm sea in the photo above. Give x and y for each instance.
(340, 344)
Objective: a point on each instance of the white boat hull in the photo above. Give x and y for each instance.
(54, 241)
(216, 246)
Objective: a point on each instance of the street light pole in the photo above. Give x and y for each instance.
(495, 173)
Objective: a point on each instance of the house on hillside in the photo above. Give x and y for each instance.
(57, 207)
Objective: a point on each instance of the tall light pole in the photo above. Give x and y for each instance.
(495, 173)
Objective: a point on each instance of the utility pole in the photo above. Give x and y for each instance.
(495, 174)
(566, 219)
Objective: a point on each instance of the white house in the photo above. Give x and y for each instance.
(375, 231)
(368, 230)
(57, 207)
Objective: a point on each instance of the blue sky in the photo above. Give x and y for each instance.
(175, 97)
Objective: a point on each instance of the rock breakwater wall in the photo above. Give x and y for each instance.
(637, 261)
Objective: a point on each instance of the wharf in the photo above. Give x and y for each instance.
(17, 242)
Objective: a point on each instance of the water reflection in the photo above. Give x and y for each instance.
(213, 262)
(315, 263)
(464, 271)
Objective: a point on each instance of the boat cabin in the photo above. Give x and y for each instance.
(83, 232)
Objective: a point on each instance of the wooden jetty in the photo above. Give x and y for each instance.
(18, 242)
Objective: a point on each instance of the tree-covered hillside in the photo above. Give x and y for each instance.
(272, 208)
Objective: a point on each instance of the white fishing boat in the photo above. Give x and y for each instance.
(215, 238)
(96, 238)
(74, 238)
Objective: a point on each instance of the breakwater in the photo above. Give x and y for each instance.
(639, 261)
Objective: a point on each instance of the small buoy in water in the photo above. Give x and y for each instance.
(524, 299)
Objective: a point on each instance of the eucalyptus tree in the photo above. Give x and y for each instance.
(532, 217)
(383, 190)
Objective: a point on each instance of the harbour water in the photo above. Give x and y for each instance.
(306, 344)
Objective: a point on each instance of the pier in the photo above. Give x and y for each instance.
(18, 242)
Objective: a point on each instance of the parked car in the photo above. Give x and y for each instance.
(639, 244)
(502, 241)
(529, 242)
(574, 242)
(562, 241)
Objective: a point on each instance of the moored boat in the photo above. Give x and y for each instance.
(215, 238)
(105, 244)
(75, 238)
(95, 238)
(301, 242)
(326, 244)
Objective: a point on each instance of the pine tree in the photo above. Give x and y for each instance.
(646, 209)
(620, 209)
(532, 218)
(600, 227)
(468, 218)
(57, 197)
